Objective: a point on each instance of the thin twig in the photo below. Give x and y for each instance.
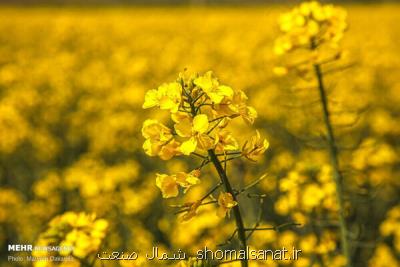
(202, 204)
(199, 155)
(259, 217)
(274, 228)
(254, 183)
(201, 200)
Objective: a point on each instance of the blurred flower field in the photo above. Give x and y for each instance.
(72, 86)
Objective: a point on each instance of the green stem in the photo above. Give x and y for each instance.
(236, 211)
(333, 153)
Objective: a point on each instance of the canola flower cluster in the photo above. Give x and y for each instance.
(305, 190)
(198, 105)
(391, 226)
(201, 109)
(389, 229)
(80, 231)
(311, 28)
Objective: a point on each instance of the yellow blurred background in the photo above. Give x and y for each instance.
(72, 84)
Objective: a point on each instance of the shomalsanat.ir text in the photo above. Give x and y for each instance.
(249, 254)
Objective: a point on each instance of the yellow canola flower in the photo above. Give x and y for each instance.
(186, 180)
(255, 147)
(237, 106)
(153, 129)
(196, 129)
(169, 184)
(168, 96)
(225, 204)
(159, 140)
(213, 89)
(226, 142)
(169, 150)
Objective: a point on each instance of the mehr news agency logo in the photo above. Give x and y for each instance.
(31, 248)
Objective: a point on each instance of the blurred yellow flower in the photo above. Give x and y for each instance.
(383, 257)
(225, 204)
(280, 71)
(310, 24)
(192, 210)
(312, 30)
(312, 196)
(81, 231)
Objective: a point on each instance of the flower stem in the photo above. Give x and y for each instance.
(236, 211)
(333, 153)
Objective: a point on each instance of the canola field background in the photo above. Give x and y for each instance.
(72, 85)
